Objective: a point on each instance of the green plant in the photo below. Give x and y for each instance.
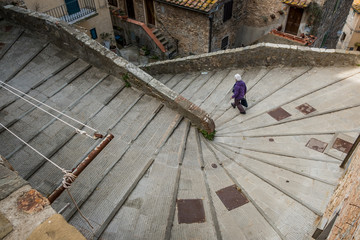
(314, 19)
(145, 50)
(154, 57)
(209, 136)
(125, 78)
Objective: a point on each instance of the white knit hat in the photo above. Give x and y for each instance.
(237, 77)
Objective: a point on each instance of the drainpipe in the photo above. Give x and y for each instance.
(211, 18)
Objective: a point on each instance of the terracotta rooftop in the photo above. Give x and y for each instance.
(297, 3)
(356, 6)
(199, 5)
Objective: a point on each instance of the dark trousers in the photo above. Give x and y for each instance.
(239, 106)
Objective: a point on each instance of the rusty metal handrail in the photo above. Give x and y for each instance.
(55, 194)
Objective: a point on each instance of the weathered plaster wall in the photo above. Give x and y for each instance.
(43, 6)
(101, 22)
(332, 21)
(347, 195)
(351, 29)
(72, 40)
(262, 54)
(190, 28)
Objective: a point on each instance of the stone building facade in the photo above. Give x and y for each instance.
(193, 27)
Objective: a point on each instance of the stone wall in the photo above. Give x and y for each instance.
(332, 20)
(189, 28)
(70, 39)
(347, 196)
(262, 54)
(139, 9)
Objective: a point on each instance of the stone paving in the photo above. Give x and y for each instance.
(268, 174)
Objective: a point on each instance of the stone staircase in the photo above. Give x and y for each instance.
(171, 50)
(268, 174)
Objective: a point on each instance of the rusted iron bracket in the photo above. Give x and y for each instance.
(82, 165)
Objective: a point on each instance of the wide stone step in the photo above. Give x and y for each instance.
(282, 145)
(223, 112)
(268, 84)
(286, 215)
(233, 215)
(39, 119)
(103, 204)
(16, 58)
(76, 148)
(193, 194)
(145, 213)
(315, 81)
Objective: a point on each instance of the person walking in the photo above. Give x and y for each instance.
(239, 91)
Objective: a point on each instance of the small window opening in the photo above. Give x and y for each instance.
(113, 3)
(93, 33)
(224, 43)
(343, 36)
(227, 11)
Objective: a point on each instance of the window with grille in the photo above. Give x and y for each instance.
(227, 11)
(224, 43)
(113, 3)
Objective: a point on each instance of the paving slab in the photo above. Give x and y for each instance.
(283, 145)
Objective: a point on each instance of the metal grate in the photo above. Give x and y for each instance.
(190, 211)
(316, 145)
(231, 197)
(342, 145)
(279, 114)
(305, 108)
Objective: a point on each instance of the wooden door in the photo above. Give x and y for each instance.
(150, 13)
(294, 19)
(130, 9)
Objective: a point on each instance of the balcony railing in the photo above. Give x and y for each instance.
(74, 11)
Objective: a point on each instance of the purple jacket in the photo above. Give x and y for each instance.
(239, 90)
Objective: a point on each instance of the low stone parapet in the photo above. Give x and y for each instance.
(262, 54)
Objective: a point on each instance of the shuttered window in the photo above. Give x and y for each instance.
(227, 11)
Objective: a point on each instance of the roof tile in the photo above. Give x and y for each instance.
(297, 3)
(202, 5)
